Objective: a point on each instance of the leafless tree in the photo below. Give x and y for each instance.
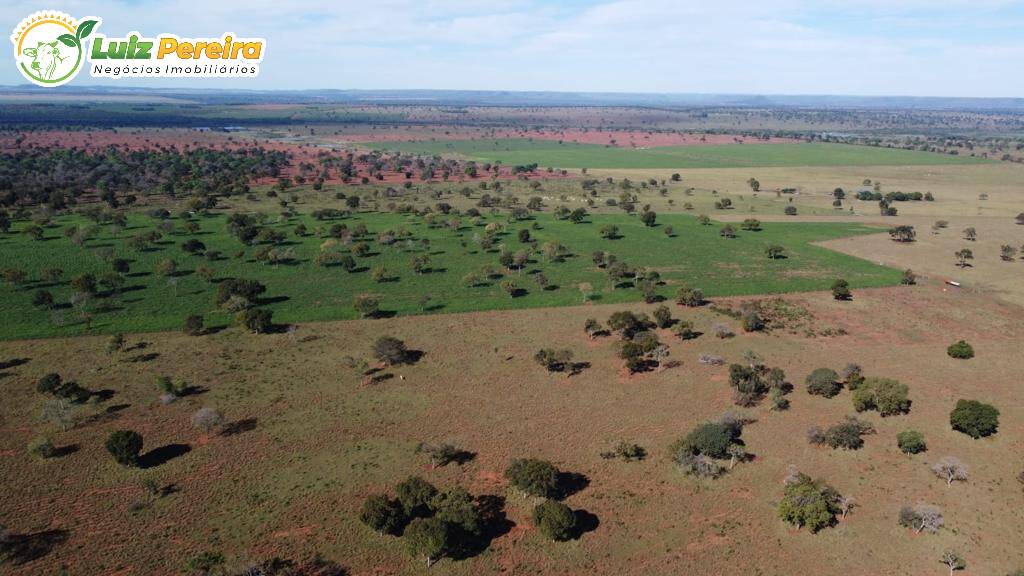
(951, 469)
(929, 518)
(207, 419)
(846, 504)
(953, 560)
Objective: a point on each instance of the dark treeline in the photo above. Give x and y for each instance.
(58, 176)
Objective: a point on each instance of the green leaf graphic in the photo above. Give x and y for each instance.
(68, 40)
(85, 28)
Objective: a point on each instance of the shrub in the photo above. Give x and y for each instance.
(625, 450)
(841, 290)
(847, 435)
(663, 317)
(684, 330)
(911, 442)
(367, 305)
(922, 518)
(711, 439)
(49, 384)
(124, 446)
(960, 350)
(778, 399)
(689, 297)
(711, 360)
(852, 376)
(390, 351)
(415, 494)
(823, 382)
(207, 419)
(748, 385)
(429, 538)
(383, 514)
(554, 520)
(752, 321)
(810, 503)
(722, 330)
(553, 360)
(534, 477)
(41, 448)
(886, 395)
(442, 454)
(974, 418)
(257, 320)
(194, 325)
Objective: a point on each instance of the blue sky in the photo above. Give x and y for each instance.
(866, 47)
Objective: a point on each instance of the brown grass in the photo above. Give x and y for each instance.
(324, 439)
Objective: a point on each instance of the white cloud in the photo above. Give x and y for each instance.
(915, 47)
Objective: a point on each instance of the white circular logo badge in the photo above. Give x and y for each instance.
(49, 47)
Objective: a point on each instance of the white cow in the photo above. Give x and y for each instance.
(45, 58)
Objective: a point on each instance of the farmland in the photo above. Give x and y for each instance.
(316, 440)
(301, 315)
(300, 290)
(572, 155)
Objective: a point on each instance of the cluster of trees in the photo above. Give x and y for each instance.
(847, 434)
(58, 176)
(751, 383)
(433, 523)
(811, 503)
(701, 452)
(639, 346)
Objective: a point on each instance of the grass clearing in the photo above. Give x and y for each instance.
(322, 440)
(515, 151)
(302, 291)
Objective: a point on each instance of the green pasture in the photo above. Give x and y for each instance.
(551, 153)
(303, 291)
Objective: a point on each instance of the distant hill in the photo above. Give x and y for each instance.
(13, 94)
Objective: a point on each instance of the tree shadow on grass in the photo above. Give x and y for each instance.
(239, 427)
(162, 455)
(14, 363)
(495, 525)
(570, 483)
(24, 548)
(575, 368)
(585, 522)
(66, 450)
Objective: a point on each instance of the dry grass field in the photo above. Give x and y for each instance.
(312, 439)
(309, 438)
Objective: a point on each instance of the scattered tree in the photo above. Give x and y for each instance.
(124, 446)
(960, 350)
(534, 477)
(911, 442)
(974, 418)
(554, 520)
(950, 469)
(841, 290)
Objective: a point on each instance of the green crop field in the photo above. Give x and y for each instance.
(304, 291)
(550, 153)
